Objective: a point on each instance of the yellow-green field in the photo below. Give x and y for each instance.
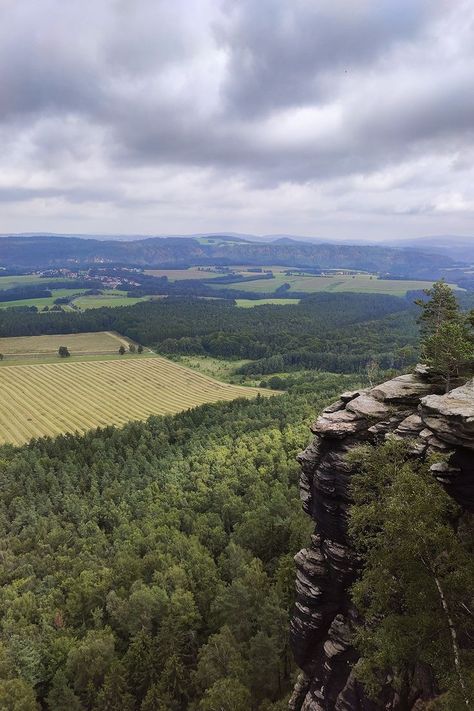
(98, 343)
(364, 283)
(220, 368)
(101, 300)
(40, 303)
(50, 399)
(250, 303)
(180, 274)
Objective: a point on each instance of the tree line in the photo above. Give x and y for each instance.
(338, 332)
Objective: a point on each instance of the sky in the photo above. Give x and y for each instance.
(332, 118)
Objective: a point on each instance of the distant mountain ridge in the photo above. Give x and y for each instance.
(456, 247)
(43, 251)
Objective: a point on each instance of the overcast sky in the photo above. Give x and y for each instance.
(333, 118)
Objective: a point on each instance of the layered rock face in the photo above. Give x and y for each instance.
(409, 406)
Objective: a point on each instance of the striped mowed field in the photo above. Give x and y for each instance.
(49, 399)
(78, 343)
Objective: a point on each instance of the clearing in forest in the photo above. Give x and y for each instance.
(53, 398)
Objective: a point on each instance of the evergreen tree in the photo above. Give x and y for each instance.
(448, 351)
(414, 592)
(447, 346)
(61, 696)
(440, 306)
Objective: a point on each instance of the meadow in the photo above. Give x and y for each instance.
(180, 274)
(9, 282)
(40, 303)
(362, 283)
(107, 299)
(220, 368)
(50, 399)
(250, 303)
(97, 343)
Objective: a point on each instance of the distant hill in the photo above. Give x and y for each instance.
(41, 251)
(459, 248)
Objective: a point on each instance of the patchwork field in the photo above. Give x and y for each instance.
(40, 303)
(359, 283)
(98, 343)
(50, 399)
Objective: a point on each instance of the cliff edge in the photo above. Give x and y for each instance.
(409, 406)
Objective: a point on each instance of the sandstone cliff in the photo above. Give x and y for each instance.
(409, 406)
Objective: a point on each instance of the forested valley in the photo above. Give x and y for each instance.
(151, 568)
(318, 332)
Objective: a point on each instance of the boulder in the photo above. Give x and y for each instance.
(451, 416)
(367, 406)
(338, 424)
(404, 389)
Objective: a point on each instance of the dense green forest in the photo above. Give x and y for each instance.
(151, 567)
(318, 332)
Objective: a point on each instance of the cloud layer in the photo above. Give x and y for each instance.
(331, 118)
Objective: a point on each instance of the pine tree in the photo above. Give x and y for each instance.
(447, 346)
(416, 585)
(441, 306)
(448, 350)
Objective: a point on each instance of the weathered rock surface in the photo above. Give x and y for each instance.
(409, 407)
(451, 416)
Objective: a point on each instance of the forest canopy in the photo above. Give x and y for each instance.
(151, 567)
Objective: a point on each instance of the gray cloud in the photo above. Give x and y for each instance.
(283, 53)
(232, 114)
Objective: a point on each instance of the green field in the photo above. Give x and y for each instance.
(46, 301)
(364, 283)
(50, 399)
(180, 274)
(250, 303)
(8, 282)
(117, 299)
(102, 342)
(219, 368)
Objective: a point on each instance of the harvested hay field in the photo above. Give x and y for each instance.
(49, 399)
(78, 343)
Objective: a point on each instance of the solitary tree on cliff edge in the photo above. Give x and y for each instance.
(447, 344)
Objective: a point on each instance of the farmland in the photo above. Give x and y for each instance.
(250, 303)
(363, 283)
(41, 302)
(99, 343)
(9, 282)
(101, 300)
(49, 399)
(179, 274)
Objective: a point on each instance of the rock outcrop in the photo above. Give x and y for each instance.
(409, 406)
